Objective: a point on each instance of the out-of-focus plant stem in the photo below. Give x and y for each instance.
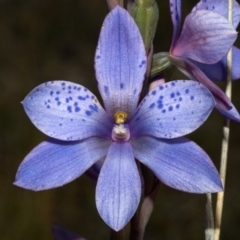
(225, 140)
(209, 230)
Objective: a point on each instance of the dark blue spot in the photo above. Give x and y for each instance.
(81, 98)
(98, 56)
(69, 92)
(192, 112)
(60, 124)
(71, 119)
(192, 97)
(199, 101)
(161, 97)
(69, 108)
(58, 103)
(170, 108)
(63, 84)
(187, 91)
(88, 113)
(174, 119)
(161, 87)
(67, 100)
(177, 106)
(85, 89)
(142, 63)
(49, 100)
(77, 109)
(92, 97)
(70, 98)
(152, 105)
(69, 87)
(57, 92)
(106, 90)
(137, 119)
(178, 93)
(93, 107)
(79, 88)
(63, 88)
(163, 111)
(76, 103)
(48, 106)
(160, 104)
(37, 89)
(180, 99)
(154, 92)
(83, 120)
(75, 88)
(57, 98)
(121, 85)
(51, 93)
(172, 95)
(173, 83)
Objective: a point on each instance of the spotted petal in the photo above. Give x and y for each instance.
(206, 37)
(175, 10)
(218, 71)
(223, 103)
(120, 62)
(172, 110)
(66, 111)
(54, 163)
(179, 163)
(221, 7)
(119, 187)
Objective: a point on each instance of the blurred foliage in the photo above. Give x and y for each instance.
(46, 40)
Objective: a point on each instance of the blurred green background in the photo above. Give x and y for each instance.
(52, 40)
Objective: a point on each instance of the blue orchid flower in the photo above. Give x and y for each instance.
(82, 132)
(206, 37)
(218, 71)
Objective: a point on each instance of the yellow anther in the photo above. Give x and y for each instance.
(120, 117)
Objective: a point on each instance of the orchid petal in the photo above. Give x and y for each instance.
(221, 7)
(179, 163)
(54, 163)
(175, 9)
(118, 189)
(223, 103)
(218, 71)
(120, 62)
(206, 37)
(172, 110)
(66, 111)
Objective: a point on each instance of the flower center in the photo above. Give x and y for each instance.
(120, 130)
(120, 117)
